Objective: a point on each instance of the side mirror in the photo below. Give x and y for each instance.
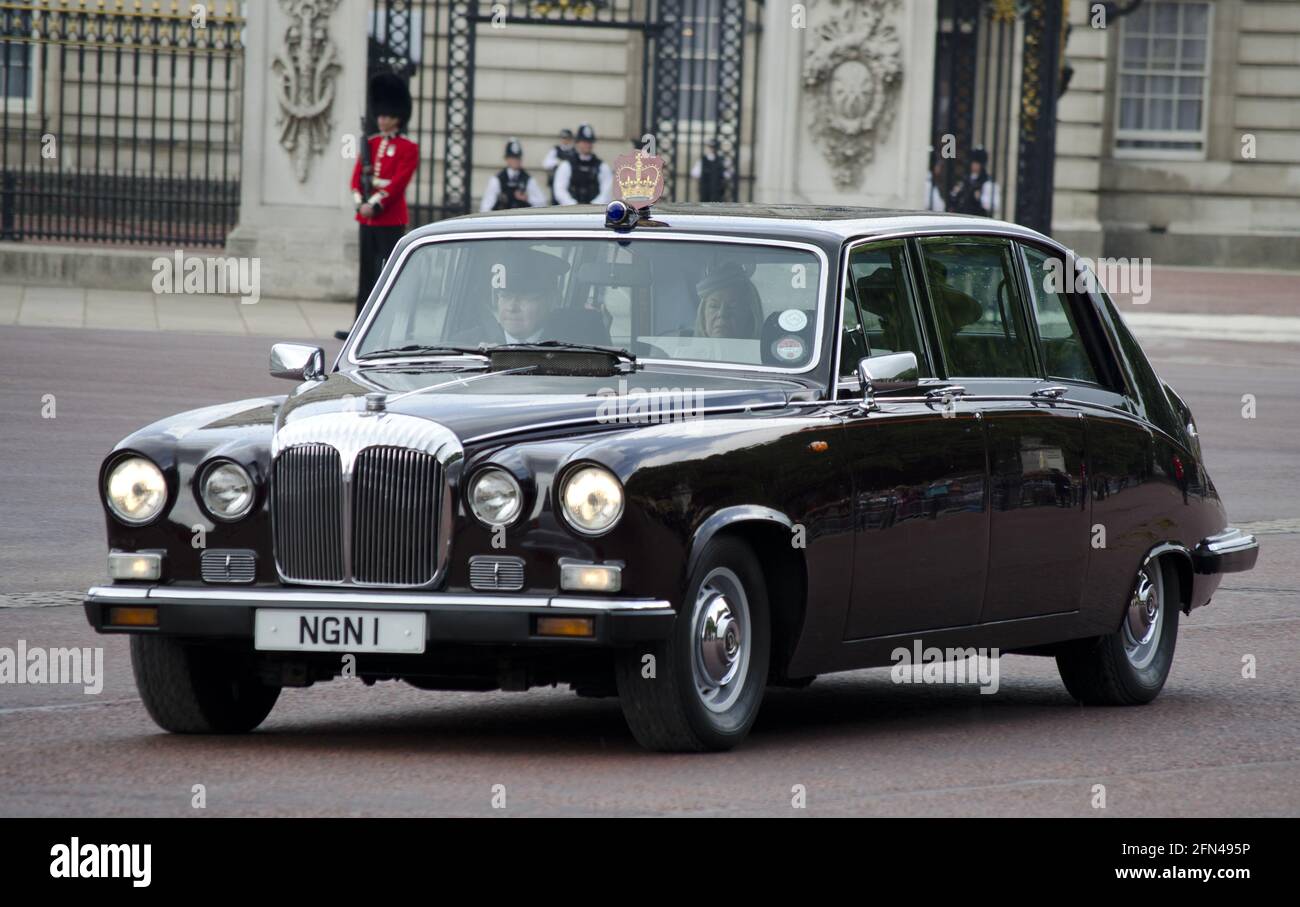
(297, 361)
(891, 372)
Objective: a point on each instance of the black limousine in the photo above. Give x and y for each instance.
(677, 456)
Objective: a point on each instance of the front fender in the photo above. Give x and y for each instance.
(732, 516)
(180, 445)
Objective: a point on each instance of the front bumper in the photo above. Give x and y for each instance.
(1230, 551)
(198, 611)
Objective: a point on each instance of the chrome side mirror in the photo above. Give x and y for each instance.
(891, 372)
(297, 361)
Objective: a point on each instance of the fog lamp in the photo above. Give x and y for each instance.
(591, 577)
(134, 565)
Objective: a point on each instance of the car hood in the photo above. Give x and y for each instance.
(480, 405)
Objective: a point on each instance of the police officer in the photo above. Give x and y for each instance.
(978, 193)
(584, 179)
(379, 183)
(712, 172)
(512, 187)
(561, 152)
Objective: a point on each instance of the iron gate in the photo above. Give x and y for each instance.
(998, 67)
(119, 126)
(697, 75)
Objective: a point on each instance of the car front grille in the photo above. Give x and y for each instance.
(392, 502)
(307, 502)
(394, 517)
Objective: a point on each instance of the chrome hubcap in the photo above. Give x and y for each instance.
(1144, 617)
(719, 628)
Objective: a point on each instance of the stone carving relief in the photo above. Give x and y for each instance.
(853, 68)
(306, 67)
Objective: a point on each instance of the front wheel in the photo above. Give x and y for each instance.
(701, 688)
(195, 689)
(1129, 667)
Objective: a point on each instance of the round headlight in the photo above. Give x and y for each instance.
(227, 491)
(135, 491)
(495, 498)
(592, 498)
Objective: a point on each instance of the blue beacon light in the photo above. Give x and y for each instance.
(616, 212)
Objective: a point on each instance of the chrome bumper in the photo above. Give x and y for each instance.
(204, 611)
(1230, 551)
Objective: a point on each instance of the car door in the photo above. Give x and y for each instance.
(1036, 443)
(918, 466)
(1123, 488)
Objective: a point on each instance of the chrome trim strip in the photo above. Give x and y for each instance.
(145, 594)
(591, 604)
(662, 419)
(352, 432)
(122, 592)
(369, 313)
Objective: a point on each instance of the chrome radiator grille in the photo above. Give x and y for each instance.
(496, 573)
(379, 528)
(395, 496)
(228, 565)
(307, 507)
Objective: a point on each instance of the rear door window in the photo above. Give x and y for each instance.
(977, 311)
(1066, 353)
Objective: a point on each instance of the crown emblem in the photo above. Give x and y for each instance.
(640, 178)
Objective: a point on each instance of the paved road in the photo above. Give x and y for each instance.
(1213, 744)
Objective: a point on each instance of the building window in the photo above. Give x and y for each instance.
(1164, 79)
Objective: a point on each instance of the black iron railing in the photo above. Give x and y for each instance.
(120, 121)
(998, 69)
(698, 63)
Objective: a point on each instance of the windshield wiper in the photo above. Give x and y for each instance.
(565, 345)
(423, 350)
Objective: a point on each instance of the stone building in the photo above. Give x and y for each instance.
(1179, 138)
(1177, 135)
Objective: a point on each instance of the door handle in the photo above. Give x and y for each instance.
(947, 390)
(1055, 392)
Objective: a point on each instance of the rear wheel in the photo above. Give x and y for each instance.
(1129, 667)
(702, 687)
(194, 689)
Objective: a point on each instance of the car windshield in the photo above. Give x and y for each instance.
(739, 304)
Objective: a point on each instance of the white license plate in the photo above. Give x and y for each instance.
(337, 631)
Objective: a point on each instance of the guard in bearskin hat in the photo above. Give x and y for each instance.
(387, 163)
(512, 187)
(583, 179)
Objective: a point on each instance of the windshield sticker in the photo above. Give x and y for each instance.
(792, 320)
(788, 349)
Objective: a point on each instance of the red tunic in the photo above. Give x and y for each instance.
(393, 163)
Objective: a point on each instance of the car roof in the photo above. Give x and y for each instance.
(819, 222)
